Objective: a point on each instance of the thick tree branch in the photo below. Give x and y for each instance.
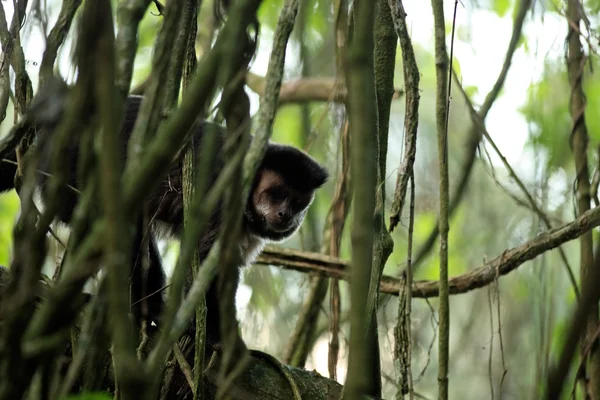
(576, 62)
(320, 89)
(362, 115)
(57, 37)
(129, 15)
(477, 278)
(307, 89)
(411, 117)
(442, 105)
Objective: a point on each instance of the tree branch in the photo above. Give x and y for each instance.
(260, 380)
(477, 278)
(474, 137)
(307, 89)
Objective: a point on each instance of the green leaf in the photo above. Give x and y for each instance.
(547, 113)
(456, 66)
(9, 206)
(471, 91)
(594, 6)
(592, 110)
(501, 7)
(268, 13)
(90, 396)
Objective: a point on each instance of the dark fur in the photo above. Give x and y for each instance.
(300, 173)
(8, 170)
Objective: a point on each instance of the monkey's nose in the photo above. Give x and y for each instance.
(284, 217)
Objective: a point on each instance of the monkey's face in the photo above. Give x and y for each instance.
(276, 210)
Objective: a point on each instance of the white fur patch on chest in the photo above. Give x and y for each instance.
(162, 230)
(251, 246)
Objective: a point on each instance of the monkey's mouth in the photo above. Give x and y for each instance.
(284, 228)
(278, 232)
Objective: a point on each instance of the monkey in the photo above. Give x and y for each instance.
(281, 193)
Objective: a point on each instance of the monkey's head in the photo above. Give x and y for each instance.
(283, 189)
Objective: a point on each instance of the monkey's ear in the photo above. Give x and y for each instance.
(296, 167)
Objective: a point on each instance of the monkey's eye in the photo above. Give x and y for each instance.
(297, 204)
(277, 194)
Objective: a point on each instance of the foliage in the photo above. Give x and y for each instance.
(9, 206)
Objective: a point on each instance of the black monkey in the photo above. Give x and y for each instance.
(281, 193)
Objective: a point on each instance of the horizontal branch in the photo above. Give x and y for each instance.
(479, 277)
(296, 91)
(306, 89)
